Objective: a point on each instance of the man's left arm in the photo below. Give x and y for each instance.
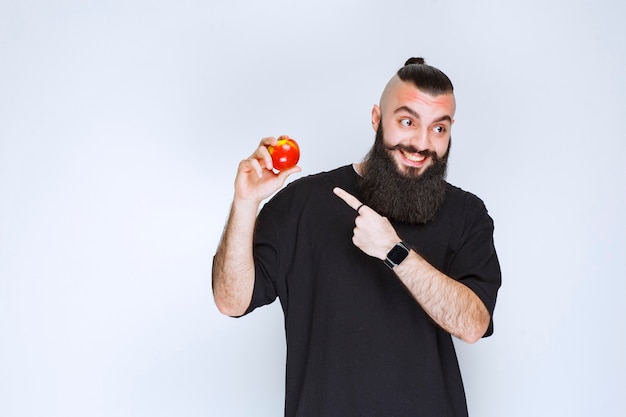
(451, 304)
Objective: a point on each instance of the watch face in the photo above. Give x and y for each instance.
(397, 254)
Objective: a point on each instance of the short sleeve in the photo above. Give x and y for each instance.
(476, 263)
(266, 253)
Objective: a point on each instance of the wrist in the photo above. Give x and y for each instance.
(243, 205)
(398, 253)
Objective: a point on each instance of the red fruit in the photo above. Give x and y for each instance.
(285, 154)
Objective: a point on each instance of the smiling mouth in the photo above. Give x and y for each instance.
(413, 156)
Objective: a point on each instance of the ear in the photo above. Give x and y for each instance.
(375, 117)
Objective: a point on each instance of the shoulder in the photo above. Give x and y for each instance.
(344, 176)
(466, 206)
(461, 198)
(313, 188)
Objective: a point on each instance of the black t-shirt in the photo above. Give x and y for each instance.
(358, 344)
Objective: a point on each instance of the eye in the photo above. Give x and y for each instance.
(439, 129)
(406, 122)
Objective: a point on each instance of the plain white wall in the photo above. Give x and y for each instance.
(121, 126)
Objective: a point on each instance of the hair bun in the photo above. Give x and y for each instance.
(411, 61)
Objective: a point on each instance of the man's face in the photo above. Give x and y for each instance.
(416, 125)
(408, 197)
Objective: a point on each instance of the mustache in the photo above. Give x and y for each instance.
(412, 149)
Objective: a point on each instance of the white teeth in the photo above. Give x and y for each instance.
(413, 157)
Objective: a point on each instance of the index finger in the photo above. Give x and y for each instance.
(350, 200)
(262, 154)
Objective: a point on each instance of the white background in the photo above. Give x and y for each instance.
(121, 126)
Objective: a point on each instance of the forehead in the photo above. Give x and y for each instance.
(402, 94)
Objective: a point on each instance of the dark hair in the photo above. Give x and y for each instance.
(426, 78)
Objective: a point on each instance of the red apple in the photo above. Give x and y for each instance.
(285, 154)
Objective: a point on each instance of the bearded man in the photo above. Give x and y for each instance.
(376, 264)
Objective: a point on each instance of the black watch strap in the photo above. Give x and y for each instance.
(397, 254)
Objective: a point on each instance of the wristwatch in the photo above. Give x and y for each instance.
(397, 254)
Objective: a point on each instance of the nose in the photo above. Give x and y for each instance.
(420, 140)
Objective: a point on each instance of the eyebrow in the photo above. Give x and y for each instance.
(417, 116)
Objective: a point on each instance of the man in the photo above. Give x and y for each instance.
(376, 264)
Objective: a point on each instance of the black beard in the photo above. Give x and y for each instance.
(408, 198)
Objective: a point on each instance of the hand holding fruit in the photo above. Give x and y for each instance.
(257, 178)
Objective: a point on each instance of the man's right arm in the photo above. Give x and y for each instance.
(233, 264)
